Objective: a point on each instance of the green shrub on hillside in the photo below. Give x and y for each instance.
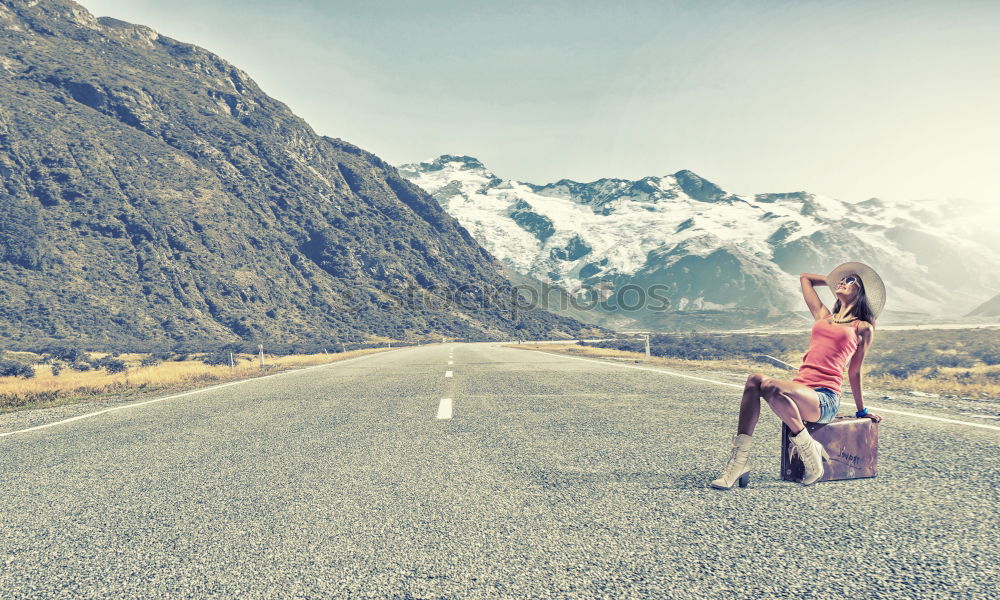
(10, 368)
(990, 355)
(220, 357)
(110, 364)
(65, 353)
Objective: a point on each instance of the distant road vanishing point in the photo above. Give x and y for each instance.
(520, 475)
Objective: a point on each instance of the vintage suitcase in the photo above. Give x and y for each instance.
(851, 443)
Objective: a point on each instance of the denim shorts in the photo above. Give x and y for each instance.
(829, 404)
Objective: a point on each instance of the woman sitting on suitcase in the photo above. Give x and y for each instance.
(814, 394)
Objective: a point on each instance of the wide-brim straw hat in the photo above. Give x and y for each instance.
(874, 288)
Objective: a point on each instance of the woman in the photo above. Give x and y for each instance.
(814, 394)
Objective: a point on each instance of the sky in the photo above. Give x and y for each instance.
(853, 100)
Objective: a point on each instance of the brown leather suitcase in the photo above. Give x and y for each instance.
(851, 443)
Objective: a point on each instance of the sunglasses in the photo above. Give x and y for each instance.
(851, 279)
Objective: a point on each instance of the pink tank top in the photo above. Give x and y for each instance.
(830, 347)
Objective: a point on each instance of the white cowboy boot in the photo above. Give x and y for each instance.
(738, 467)
(812, 454)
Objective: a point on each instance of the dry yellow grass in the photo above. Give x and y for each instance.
(23, 357)
(979, 381)
(46, 389)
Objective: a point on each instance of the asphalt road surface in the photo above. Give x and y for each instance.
(553, 477)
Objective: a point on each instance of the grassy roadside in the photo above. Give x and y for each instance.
(660, 361)
(71, 387)
(948, 382)
(960, 363)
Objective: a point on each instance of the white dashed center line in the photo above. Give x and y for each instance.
(444, 409)
(451, 362)
(447, 373)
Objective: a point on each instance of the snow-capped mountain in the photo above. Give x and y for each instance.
(708, 249)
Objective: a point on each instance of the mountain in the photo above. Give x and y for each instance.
(153, 194)
(718, 257)
(990, 308)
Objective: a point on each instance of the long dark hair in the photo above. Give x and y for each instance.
(861, 309)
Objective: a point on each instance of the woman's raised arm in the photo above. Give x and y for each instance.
(808, 280)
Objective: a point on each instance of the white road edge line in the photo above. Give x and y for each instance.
(447, 373)
(444, 409)
(874, 408)
(192, 392)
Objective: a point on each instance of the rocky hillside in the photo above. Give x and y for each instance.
(721, 259)
(153, 194)
(990, 308)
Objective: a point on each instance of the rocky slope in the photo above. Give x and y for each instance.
(990, 308)
(153, 194)
(720, 258)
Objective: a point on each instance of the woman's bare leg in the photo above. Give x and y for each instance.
(793, 402)
(750, 405)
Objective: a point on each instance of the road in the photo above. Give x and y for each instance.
(553, 477)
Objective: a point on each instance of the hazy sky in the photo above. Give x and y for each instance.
(847, 99)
